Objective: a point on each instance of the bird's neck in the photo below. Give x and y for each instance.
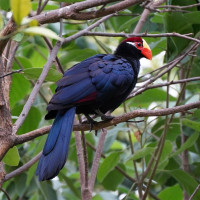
(127, 51)
(133, 55)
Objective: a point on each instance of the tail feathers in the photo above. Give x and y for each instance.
(56, 147)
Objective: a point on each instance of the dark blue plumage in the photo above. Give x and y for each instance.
(94, 86)
(56, 147)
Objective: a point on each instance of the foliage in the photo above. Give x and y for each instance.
(170, 180)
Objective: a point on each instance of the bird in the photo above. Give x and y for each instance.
(92, 87)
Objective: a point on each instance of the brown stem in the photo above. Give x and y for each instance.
(19, 139)
(84, 154)
(95, 164)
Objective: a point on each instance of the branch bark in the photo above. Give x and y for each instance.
(122, 118)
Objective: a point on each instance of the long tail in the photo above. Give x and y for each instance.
(56, 147)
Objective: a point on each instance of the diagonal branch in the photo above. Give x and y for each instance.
(23, 168)
(122, 118)
(36, 88)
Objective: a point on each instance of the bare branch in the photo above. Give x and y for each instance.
(79, 150)
(173, 82)
(178, 7)
(36, 88)
(95, 164)
(185, 36)
(122, 118)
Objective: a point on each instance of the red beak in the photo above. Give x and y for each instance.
(147, 53)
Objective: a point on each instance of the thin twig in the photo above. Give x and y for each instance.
(43, 6)
(195, 191)
(10, 73)
(39, 6)
(36, 88)
(186, 80)
(6, 194)
(57, 63)
(174, 34)
(82, 32)
(179, 7)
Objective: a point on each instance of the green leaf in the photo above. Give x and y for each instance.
(192, 124)
(172, 193)
(19, 89)
(35, 30)
(186, 181)
(182, 27)
(164, 159)
(12, 157)
(129, 23)
(193, 17)
(47, 190)
(141, 153)
(1, 21)
(31, 122)
(19, 184)
(190, 142)
(113, 179)
(20, 9)
(70, 183)
(18, 37)
(25, 62)
(172, 132)
(149, 96)
(108, 164)
(4, 5)
(31, 174)
(34, 73)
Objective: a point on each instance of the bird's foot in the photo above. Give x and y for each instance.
(90, 121)
(103, 116)
(107, 117)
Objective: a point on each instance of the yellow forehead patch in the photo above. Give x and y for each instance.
(145, 45)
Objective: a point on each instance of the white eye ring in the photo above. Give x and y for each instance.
(131, 43)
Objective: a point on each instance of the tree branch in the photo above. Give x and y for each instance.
(185, 36)
(95, 164)
(19, 139)
(36, 88)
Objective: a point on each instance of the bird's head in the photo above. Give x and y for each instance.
(134, 47)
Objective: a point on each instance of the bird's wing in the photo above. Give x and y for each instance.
(112, 77)
(75, 85)
(97, 78)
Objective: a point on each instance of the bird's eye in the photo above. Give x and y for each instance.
(139, 44)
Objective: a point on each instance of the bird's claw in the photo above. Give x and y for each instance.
(90, 121)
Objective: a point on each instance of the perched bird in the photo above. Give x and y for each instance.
(94, 86)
